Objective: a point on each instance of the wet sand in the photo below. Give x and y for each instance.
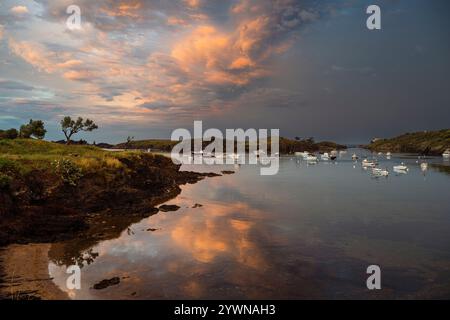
(27, 276)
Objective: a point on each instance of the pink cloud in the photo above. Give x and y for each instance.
(19, 10)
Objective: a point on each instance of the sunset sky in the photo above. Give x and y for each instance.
(310, 68)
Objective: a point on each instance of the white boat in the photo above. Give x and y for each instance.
(233, 156)
(380, 153)
(388, 154)
(354, 157)
(325, 156)
(446, 154)
(259, 153)
(380, 172)
(366, 163)
(266, 160)
(311, 158)
(299, 154)
(334, 153)
(401, 168)
(305, 155)
(424, 166)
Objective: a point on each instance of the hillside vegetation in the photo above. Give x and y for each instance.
(287, 146)
(426, 143)
(49, 191)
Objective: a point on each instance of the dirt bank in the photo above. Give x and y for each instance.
(39, 207)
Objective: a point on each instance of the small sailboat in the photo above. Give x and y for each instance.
(198, 153)
(259, 153)
(265, 160)
(446, 154)
(424, 166)
(366, 163)
(401, 168)
(234, 156)
(380, 172)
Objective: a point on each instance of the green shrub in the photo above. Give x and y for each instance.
(9, 134)
(35, 128)
(68, 171)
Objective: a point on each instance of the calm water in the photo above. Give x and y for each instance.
(308, 232)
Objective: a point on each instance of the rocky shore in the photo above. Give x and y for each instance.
(38, 207)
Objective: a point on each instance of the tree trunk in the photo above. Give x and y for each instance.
(67, 138)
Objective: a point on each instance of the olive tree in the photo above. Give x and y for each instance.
(70, 127)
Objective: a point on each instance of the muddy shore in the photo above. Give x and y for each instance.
(40, 210)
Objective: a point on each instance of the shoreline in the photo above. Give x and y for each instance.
(24, 273)
(39, 209)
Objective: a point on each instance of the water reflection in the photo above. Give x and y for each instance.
(308, 232)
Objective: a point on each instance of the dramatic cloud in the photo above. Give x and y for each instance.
(19, 10)
(173, 60)
(149, 63)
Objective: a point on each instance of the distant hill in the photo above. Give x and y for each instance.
(153, 144)
(286, 145)
(425, 142)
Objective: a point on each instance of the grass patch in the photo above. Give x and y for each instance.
(24, 155)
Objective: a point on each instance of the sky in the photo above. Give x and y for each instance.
(309, 68)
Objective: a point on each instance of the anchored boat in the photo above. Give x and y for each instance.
(380, 172)
(402, 168)
(366, 163)
(325, 156)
